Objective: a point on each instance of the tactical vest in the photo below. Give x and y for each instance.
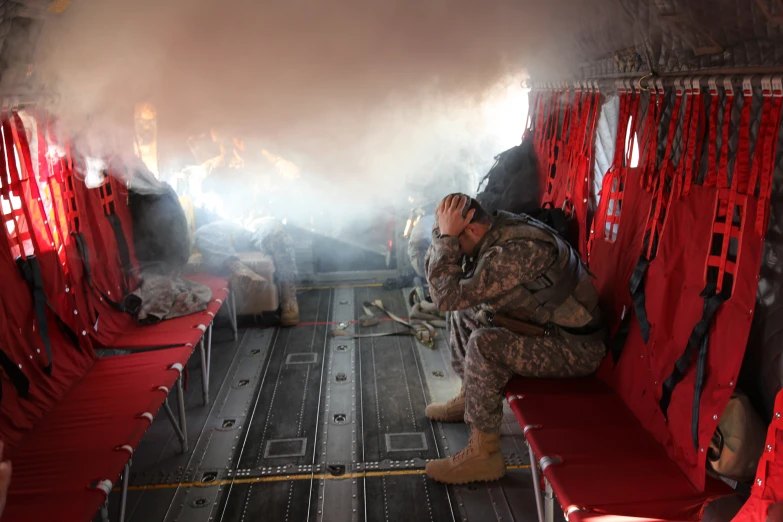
(563, 295)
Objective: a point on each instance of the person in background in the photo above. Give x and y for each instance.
(522, 305)
(219, 241)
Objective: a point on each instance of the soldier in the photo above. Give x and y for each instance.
(219, 242)
(522, 305)
(419, 243)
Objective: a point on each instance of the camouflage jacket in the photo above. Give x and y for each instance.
(511, 263)
(162, 297)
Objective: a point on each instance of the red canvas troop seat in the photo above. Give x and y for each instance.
(70, 422)
(674, 243)
(65, 466)
(602, 461)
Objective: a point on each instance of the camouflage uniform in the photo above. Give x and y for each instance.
(162, 297)
(487, 357)
(220, 241)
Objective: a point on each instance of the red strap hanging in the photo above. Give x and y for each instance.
(775, 89)
(32, 203)
(723, 165)
(16, 223)
(693, 147)
(656, 223)
(679, 171)
(731, 204)
(742, 165)
(711, 178)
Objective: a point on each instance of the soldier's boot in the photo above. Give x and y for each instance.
(480, 461)
(290, 315)
(452, 410)
(244, 280)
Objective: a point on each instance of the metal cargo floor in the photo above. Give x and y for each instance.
(302, 426)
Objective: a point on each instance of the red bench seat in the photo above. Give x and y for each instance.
(602, 460)
(64, 467)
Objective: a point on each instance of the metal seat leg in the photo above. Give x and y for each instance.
(536, 484)
(549, 507)
(124, 494)
(204, 372)
(182, 420)
(232, 310)
(209, 350)
(175, 424)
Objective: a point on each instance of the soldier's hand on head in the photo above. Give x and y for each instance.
(450, 215)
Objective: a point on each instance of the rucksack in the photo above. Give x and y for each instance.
(160, 227)
(560, 222)
(738, 442)
(512, 183)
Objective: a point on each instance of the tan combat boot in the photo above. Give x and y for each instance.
(451, 411)
(244, 280)
(290, 315)
(480, 461)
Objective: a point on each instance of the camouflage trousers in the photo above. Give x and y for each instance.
(220, 241)
(487, 358)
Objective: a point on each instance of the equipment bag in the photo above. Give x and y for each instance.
(160, 227)
(512, 183)
(738, 442)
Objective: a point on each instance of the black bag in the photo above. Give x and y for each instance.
(558, 220)
(160, 228)
(512, 183)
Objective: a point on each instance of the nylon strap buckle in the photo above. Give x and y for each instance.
(747, 87)
(728, 87)
(696, 86)
(659, 86)
(678, 90)
(766, 86)
(713, 85)
(777, 87)
(688, 88)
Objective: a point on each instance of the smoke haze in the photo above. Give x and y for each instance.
(360, 95)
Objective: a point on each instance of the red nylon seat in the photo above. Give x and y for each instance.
(610, 465)
(77, 444)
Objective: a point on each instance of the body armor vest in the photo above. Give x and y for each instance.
(563, 295)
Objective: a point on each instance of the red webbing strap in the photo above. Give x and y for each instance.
(35, 212)
(734, 200)
(761, 141)
(723, 165)
(545, 119)
(570, 132)
(19, 235)
(742, 164)
(573, 144)
(648, 135)
(679, 170)
(770, 155)
(711, 178)
(695, 134)
(55, 195)
(651, 166)
(655, 224)
(622, 125)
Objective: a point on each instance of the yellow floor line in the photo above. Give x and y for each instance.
(288, 478)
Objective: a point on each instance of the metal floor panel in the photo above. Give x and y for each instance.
(308, 427)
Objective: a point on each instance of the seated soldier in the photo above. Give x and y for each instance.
(522, 305)
(219, 242)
